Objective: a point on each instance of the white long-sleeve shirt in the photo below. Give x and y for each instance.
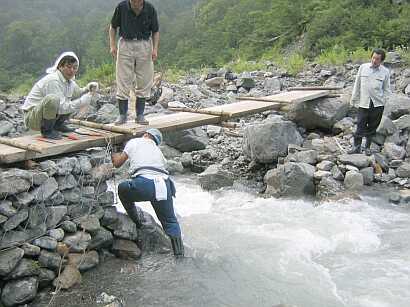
(55, 84)
(371, 83)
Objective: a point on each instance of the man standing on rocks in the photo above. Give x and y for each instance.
(370, 93)
(149, 182)
(55, 97)
(137, 49)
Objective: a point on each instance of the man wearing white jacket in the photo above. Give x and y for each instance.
(54, 97)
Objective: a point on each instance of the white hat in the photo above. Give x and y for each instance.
(52, 69)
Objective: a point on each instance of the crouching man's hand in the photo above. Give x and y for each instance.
(92, 87)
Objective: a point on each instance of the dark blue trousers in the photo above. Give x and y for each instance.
(143, 189)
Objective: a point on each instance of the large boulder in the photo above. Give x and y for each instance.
(214, 177)
(397, 106)
(290, 179)
(319, 113)
(265, 142)
(187, 140)
(20, 291)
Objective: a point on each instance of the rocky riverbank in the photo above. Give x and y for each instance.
(57, 218)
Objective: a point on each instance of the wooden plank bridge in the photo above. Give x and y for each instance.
(40, 148)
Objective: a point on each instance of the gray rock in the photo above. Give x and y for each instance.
(14, 221)
(25, 268)
(89, 223)
(246, 83)
(345, 125)
(23, 199)
(77, 242)
(66, 182)
(70, 277)
(49, 259)
(368, 175)
(12, 238)
(266, 142)
(394, 197)
(290, 179)
(351, 168)
(107, 114)
(321, 174)
(5, 127)
(69, 226)
(18, 292)
(101, 173)
(397, 106)
(49, 167)
(272, 84)
(66, 165)
(72, 196)
(45, 277)
(186, 160)
(3, 219)
(45, 191)
(39, 178)
(7, 209)
(325, 165)
(56, 199)
(214, 177)
(395, 163)
(353, 180)
(174, 167)
(46, 242)
(83, 167)
(9, 259)
(403, 171)
(328, 187)
(215, 82)
(393, 151)
(102, 238)
(358, 160)
(124, 228)
(403, 122)
(319, 113)
(386, 127)
(382, 161)
(187, 140)
(304, 156)
(170, 152)
(337, 173)
(126, 249)
(14, 181)
(111, 216)
(106, 198)
(31, 250)
(55, 215)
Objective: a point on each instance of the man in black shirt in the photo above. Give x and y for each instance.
(137, 24)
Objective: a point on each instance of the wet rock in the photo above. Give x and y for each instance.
(187, 140)
(214, 177)
(405, 196)
(25, 268)
(84, 262)
(9, 260)
(394, 197)
(126, 249)
(18, 292)
(49, 259)
(328, 187)
(77, 242)
(70, 277)
(358, 160)
(290, 179)
(266, 142)
(174, 167)
(186, 160)
(353, 180)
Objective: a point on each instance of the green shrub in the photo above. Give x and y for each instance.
(241, 65)
(404, 52)
(294, 63)
(334, 56)
(360, 55)
(104, 74)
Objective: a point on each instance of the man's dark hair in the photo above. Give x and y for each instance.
(380, 52)
(68, 59)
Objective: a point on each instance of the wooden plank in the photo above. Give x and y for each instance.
(293, 96)
(169, 122)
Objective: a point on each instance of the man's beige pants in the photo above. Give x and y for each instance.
(47, 109)
(135, 69)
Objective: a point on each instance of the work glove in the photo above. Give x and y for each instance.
(92, 86)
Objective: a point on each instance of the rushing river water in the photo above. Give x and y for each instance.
(244, 250)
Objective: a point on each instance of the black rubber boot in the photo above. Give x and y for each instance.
(140, 108)
(61, 123)
(177, 246)
(123, 108)
(367, 146)
(48, 131)
(135, 214)
(357, 146)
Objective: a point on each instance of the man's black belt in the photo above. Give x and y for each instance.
(151, 168)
